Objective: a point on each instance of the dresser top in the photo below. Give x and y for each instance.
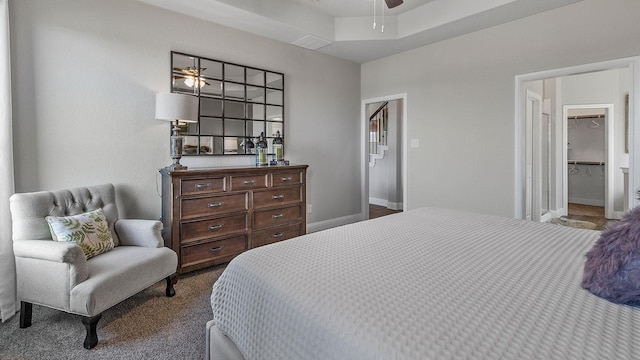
(232, 169)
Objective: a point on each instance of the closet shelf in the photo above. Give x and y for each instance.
(579, 162)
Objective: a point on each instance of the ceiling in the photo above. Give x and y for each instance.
(345, 28)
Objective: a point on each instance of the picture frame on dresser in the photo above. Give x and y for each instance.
(211, 215)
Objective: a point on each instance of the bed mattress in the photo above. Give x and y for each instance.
(424, 284)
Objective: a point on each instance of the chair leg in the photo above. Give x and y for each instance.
(171, 279)
(90, 323)
(26, 309)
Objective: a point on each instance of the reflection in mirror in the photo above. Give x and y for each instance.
(274, 97)
(234, 127)
(211, 126)
(275, 81)
(233, 91)
(237, 103)
(234, 73)
(210, 107)
(255, 77)
(274, 113)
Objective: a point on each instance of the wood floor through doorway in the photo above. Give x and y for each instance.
(594, 214)
(376, 211)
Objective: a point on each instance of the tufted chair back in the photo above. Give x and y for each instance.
(28, 210)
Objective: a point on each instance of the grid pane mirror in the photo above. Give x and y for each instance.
(236, 104)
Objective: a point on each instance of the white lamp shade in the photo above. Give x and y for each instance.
(170, 106)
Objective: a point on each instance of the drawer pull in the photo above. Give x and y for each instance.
(278, 235)
(275, 197)
(249, 182)
(203, 186)
(287, 178)
(218, 204)
(215, 227)
(216, 249)
(275, 216)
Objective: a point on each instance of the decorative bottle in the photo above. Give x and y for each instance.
(261, 151)
(278, 147)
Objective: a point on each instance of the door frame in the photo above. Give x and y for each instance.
(633, 64)
(364, 158)
(608, 143)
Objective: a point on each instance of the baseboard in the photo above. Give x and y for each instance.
(331, 223)
(379, 202)
(385, 203)
(583, 201)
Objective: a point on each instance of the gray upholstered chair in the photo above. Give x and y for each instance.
(57, 274)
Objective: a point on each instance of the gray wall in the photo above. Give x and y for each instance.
(85, 74)
(461, 96)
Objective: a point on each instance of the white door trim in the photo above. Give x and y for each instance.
(364, 147)
(633, 63)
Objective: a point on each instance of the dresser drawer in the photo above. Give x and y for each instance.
(286, 178)
(212, 250)
(276, 197)
(266, 218)
(250, 182)
(268, 236)
(213, 205)
(204, 229)
(202, 186)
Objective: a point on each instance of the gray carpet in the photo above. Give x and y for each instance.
(148, 325)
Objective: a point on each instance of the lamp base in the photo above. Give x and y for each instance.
(176, 166)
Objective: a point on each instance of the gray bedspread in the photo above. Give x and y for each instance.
(424, 284)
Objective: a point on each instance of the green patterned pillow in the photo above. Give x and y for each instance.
(89, 230)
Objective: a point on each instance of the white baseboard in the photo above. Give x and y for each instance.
(331, 223)
(583, 201)
(376, 201)
(385, 203)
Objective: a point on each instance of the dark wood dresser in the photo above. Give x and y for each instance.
(211, 215)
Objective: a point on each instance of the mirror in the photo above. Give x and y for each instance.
(236, 103)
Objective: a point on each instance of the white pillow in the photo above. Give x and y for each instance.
(89, 230)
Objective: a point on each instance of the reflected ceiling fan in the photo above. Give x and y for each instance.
(393, 3)
(390, 4)
(191, 75)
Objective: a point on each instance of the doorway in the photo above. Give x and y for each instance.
(558, 88)
(588, 151)
(384, 180)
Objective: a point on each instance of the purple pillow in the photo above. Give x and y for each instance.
(612, 269)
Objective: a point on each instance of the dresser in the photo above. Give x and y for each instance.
(211, 215)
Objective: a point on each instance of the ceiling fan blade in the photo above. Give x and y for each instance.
(393, 3)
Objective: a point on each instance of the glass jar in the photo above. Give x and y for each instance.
(261, 151)
(278, 147)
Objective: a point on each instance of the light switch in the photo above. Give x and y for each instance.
(415, 143)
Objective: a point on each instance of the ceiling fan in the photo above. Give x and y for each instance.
(393, 3)
(191, 76)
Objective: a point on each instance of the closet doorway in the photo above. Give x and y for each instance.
(606, 85)
(588, 151)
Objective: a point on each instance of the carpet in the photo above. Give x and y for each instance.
(148, 325)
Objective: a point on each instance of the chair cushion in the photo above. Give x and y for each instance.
(89, 230)
(118, 274)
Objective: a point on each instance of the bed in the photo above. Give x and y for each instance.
(425, 284)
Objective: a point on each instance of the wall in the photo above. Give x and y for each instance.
(85, 74)
(461, 96)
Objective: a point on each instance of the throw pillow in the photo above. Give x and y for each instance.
(89, 230)
(612, 269)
